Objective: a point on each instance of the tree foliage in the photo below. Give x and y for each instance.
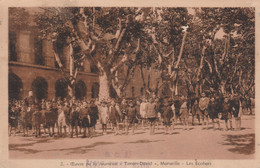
(182, 46)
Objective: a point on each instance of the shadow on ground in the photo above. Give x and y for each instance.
(242, 144)
(19, 147)
(143, 141)
(81, 149)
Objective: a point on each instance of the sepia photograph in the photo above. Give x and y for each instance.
(165, 83)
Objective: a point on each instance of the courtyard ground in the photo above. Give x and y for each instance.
(195, 143)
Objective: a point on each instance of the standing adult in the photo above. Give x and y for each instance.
(235, 107)
(167, 115)
(195, 112)
(226, 113)
(93, 116)
(213, 112)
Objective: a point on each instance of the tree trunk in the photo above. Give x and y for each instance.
(70, 91)
(199, 71)
(103, 87)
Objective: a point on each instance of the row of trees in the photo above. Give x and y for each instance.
(179, 44)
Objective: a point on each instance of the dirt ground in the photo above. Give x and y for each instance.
(195, 143)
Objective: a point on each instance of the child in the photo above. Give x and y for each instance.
(131, 117)
(184, 113)
(114, 117)
(226, 113)
(104, 117)
(12, 120)
(151, 115)
(167, 116)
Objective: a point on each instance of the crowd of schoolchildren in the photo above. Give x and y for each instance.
(121, 115)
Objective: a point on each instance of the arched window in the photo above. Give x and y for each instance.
(61, 87)
(15, 86)
(40, 88)
(80, 90)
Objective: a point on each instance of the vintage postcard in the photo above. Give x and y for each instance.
(129, 84)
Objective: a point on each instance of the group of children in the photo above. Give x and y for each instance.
(124, 115)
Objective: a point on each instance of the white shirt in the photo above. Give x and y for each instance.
(143, 109)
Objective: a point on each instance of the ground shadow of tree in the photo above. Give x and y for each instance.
(242, 144)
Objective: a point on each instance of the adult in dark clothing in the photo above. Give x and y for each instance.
(226, 113)
(26, 119)
(195, 111)
(177, 105)
(38, 119)
(167, 116)
(235, 107)
(93, 116)
(51, 116)
(213, 112)
(249, 105)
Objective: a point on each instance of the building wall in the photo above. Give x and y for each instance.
(27, 71)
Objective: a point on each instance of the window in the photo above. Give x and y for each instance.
(38, 53)
(12, 47)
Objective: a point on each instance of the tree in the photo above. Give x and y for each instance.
(179, 46)
(221, 60)
(108, 43)
(167, 34)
